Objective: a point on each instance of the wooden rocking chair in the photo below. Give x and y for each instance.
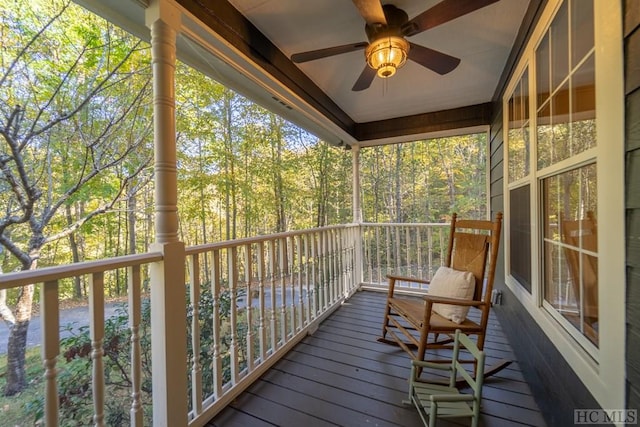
(583, 233)
(411, 322)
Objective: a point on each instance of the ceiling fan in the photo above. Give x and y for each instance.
(387, 28)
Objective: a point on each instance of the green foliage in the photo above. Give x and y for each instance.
(74, 381)
(74, 375)
(27, 407)
(243, 171)
(205, 323)
(425, 181)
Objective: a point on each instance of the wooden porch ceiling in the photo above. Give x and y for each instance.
(240, 32)
(342, 376)
(246, 45)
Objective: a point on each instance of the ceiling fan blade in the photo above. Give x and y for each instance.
(436, 61)
(445, 11)
(371, 11)
(329, 51)
(365, 79)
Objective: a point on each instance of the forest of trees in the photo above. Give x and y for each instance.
(76, 150)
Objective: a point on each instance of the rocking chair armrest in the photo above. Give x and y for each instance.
(432, 299)
(408, 279)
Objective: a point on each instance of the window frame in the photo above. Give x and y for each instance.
(600, 369)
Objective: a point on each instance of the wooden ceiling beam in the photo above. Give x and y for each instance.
(438, 121)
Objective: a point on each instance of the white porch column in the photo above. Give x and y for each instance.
(357, 214)
(168, 304)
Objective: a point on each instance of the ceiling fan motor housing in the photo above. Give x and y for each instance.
(387, 50)
(396, 18)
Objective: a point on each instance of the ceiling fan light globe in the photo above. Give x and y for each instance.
(386, 71)
(387, 54)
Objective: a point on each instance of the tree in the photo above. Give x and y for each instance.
(74, 125)
(426, 180)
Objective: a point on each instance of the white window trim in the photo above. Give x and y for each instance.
(604, 377)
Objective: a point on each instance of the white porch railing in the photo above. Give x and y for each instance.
(249, 302)
(49, 279)
(267, 293)
(411, 249)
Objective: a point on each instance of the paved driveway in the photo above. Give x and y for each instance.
(77, 316)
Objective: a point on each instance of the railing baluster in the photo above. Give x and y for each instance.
(283, 294)
(378, 257)
(388, 261)
(96, 314)
(329, 266)
(407, 235)
(314, 274)
(430, 243)
(419, 251)
(339, 264)
(367, 254)
(322, 252)
(442, 250)
(300, 305)
(326, 269)
(248, 271)
(262, 327)
(216, 278)
(196, 369)
(307, 279)
(398, 259)
(347, 254)
(291, 267)
(272, 277)
(232, 258)
(50, 349)
(334, 266)
(135, 303)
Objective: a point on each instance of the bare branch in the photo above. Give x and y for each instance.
(21, 255)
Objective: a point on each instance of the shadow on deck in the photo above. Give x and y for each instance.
(342, 376)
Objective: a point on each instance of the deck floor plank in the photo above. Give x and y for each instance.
(341, 375)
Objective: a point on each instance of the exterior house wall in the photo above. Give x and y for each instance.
(557, 388)
(632, 197)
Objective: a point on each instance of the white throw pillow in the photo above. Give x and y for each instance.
(451, 283)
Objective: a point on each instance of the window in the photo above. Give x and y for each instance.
(520, 227)
(571, 248)
(518, 147)
(564, 188)
(565, 94)
(564, 133)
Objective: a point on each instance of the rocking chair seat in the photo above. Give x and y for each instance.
(413, 311)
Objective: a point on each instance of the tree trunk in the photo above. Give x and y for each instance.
(77, 283)
(278, 187)
(398, 184)
(132, 206)
(448, 168)
(17, 344)
(5, 311)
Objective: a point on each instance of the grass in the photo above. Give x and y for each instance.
(13, 410)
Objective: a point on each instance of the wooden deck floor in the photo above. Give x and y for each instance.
(342, 376)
